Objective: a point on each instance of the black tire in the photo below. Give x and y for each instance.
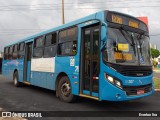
(16, 80)
(64, 90)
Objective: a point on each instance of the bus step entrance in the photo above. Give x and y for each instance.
(87, 96)
(26, 82)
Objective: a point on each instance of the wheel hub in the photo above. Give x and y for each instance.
(65, 89)
(15, 81)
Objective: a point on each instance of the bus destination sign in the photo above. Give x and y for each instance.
(116, 19)
(133, 24)
(119, 20)
(122, 19)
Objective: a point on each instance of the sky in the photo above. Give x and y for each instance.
(23, 18)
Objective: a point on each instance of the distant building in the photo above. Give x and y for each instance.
(144, 19)
(154, 46)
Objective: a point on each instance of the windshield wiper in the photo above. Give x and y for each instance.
(130, 37)
(140, 44)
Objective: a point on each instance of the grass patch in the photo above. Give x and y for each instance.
(156, 83)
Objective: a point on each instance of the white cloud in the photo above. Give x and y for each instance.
(45, 19)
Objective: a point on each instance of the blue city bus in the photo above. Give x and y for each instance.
(104, 56)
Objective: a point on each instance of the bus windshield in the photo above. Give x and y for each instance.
(126, 47)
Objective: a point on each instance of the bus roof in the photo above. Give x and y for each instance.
(72, 23)
(81, 20)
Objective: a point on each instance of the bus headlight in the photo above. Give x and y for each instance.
(113, 81)
(110, 79)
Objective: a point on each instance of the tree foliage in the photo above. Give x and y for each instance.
(155, 53)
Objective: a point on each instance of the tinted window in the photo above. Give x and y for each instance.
(50, 39)
(38, 47)
(6, 53)
(38, 52)
(50, 51)
(50, 45)
(68, 42)
(6, 50)
(21, 46)
(10, 52)
(15, 48)
(21, 50)
(68, 35)
(15, 51)
(39, 42)
(67, 48)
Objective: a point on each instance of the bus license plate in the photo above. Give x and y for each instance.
(140, 92)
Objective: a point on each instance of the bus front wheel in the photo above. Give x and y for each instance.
(15, 80)
(64, 90)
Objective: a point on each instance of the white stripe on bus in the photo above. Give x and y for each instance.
(43, 64)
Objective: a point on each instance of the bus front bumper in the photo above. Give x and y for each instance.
(113, 93)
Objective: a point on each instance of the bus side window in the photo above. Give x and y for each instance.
(10, 52)
(50, 45)
(21, 50)
(38, 47)
(15, 51)
(67, 44)
(6, 53)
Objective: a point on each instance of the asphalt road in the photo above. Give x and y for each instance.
(30, 98)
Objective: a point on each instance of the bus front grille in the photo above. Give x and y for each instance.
(132, 90)
(133, 71)
(136, 73)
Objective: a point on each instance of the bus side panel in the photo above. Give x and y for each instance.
(70, 66)
(43, 73)
(9, 69)
(4, 68)
(43, 79)
(20, 69)
(9, 66)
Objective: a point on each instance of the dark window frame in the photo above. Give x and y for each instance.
(20, 46)
(70, 40)
(15, 53)
(21, 52)
(35, 41)
(10, 52)
(51, 45)
(39, 47)
(52, 35)
(6, 54)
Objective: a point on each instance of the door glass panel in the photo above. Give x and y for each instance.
(87, 61)
(90, 61)
(29, 52)
(95, 60)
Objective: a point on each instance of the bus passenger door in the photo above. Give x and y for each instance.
(27, 62)
(89, 70)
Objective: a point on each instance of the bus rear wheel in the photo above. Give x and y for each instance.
(64, 90)
(15, 80)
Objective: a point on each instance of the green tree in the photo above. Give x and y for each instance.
(155, 53)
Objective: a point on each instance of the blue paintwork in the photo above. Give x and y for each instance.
(28, 71)
(9, 67)
(86, 92)
(107, 91)
(43, 79)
